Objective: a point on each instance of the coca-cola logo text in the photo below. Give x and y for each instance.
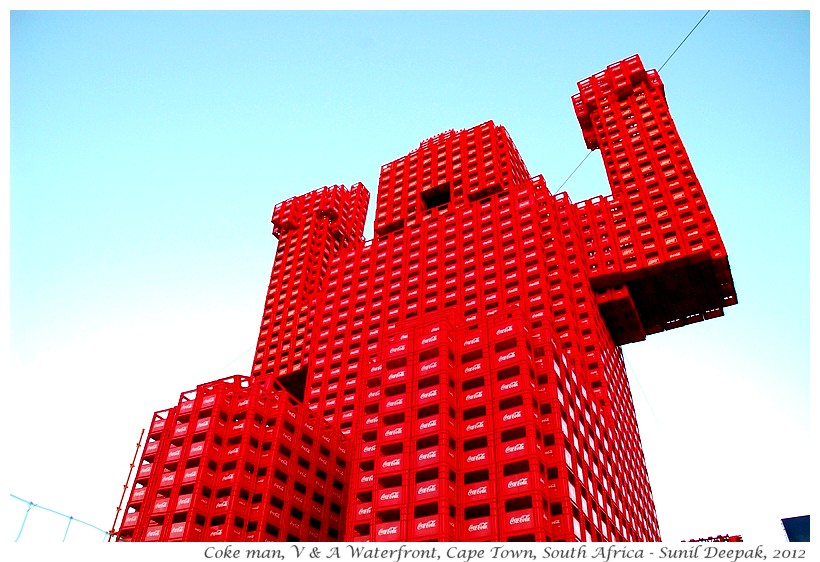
(526, 518)
(392, 530)
(513, 416)
(430, 489)
(507, 356)
(509, 385)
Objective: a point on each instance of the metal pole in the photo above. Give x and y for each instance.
(24, 521)
(113, 532)
(70, 519)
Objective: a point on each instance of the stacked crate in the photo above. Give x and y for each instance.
(655, 232)
(449, 169)
(311, 228)
(235, 462)
(458, 377)
(405, 455)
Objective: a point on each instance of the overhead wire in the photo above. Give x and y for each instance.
(70, 518)
(659, 69)
(631, 368)
(684, 40)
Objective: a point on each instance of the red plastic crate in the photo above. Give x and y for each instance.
(502, 251)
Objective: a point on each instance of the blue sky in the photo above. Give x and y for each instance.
(149, 148)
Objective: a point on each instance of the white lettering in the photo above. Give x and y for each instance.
(475, 395)
(477, 457)
(514, 448)
(507, 356)
(390, 496)
(477, 491)
(509, 385)
(518, 483)
(427, 456)
(504, 330)
(429, 424)
(388, 531)
(483, 526)
(477, 425)
(431, 489)
(392, 462)
(431, 524)
(521, 519)
(473, 341)
(514, 416)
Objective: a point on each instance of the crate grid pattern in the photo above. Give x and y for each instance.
(461, 373)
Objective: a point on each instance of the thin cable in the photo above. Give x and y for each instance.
(661, 68)
(575, 170)
(25, 517)
(640, 387)
(237, 358)
(69, 517)
(684, 39)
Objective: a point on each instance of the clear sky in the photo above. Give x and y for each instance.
(149, 148)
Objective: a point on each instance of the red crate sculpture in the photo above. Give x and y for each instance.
(458, 377)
